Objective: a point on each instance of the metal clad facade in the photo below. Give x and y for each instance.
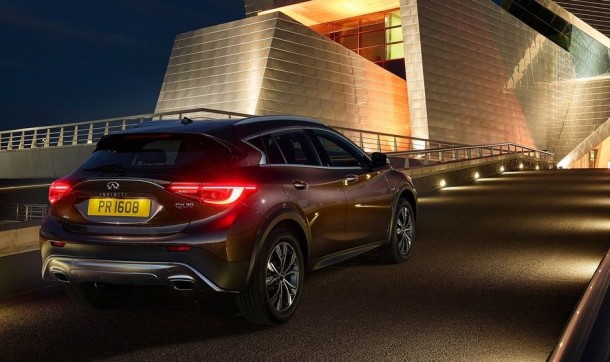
(271, 64)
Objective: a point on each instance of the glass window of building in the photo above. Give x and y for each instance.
(376, 37)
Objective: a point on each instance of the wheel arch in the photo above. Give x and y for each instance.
(408, 194)
(285, 218)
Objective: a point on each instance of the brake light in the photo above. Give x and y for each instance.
(212, 193)
(57, 189)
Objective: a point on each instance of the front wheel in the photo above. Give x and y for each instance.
(402, 233)
(276, 284)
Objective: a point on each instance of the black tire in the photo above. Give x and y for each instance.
(402, 234)
(99, 296)
(273, 295)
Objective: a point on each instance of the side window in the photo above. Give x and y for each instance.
(295, 148)
(282, 148)
(272, 152)
(339, 152)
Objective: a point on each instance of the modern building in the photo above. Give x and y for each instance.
(473, 72)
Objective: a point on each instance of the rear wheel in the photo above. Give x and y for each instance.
(276, 284)
(402, 234)
(99, 295)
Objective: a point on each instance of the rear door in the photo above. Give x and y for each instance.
(318, 194)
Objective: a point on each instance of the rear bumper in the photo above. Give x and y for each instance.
(176, 275)
(143, 265)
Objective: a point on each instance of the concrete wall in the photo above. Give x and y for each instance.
(42, 162)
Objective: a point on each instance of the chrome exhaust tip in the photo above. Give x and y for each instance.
(182, 284)
(60, 275)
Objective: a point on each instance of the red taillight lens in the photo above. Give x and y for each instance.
(223, 195)
(179, 248)
(211, 193)
(57, 189)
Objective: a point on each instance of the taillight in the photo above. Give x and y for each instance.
(57, 189)
(218, 194)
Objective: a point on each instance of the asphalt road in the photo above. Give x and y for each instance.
(497, 269)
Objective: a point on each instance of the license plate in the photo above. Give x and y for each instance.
(119, 207)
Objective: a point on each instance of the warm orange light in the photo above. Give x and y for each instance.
(322, 11)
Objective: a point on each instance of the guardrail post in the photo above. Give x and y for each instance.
(34, 139)
(22, 140)
(106, 125)
(442, 156)
(469, 154)
(123, 125)
(75, 136)
(395, 144)
(90, 134)
(47, 139)
(10, 141)
(60, 140)
(378, 142)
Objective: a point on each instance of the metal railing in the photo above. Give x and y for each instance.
(414, 150)
(83, 133)
(587, 334)
(25, 212)
(385, 142)
(428, 157)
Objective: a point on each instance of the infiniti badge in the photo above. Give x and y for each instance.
(112, 185)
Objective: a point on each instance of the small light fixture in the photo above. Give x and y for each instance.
(476, 175)
(537, 167)
(442, 183)
(521, 166)
(502, 168)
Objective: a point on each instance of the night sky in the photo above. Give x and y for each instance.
(65, 61)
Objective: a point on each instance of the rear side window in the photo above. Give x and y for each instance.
(150, 153)
(291, 147)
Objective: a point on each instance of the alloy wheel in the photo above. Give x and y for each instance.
(282, 279)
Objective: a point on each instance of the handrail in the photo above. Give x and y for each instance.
(84, 133)
(587, 334)
(79, 133)
(425, 157)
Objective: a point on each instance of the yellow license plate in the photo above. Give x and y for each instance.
(119, 207)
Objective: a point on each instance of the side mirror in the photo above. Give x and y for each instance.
(378, 160)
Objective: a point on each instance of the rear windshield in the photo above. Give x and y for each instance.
(157, 153)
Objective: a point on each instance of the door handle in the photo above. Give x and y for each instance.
(299, 185)
(351, 178)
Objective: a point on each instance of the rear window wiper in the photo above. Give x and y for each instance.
(113, 168)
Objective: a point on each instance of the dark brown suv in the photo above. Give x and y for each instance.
(243, 206)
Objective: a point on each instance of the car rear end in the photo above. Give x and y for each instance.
(153, 207)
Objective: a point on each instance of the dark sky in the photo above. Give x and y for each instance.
(65, 61)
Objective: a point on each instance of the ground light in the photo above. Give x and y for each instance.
(501, 168)
(521, 166)
(442, 183)
(476, 175)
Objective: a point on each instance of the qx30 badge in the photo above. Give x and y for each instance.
(112, 185)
